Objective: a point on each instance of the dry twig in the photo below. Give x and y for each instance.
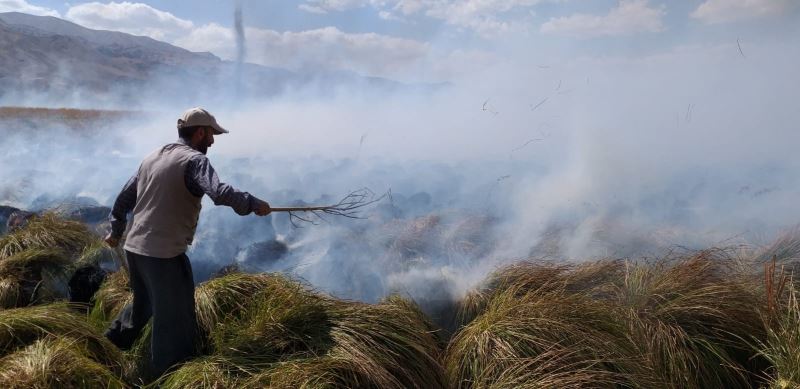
(348, 207)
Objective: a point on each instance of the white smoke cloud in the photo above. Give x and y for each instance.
(25, 7)
(629, 17)
(565, 153)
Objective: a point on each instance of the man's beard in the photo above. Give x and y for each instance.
(203, 146)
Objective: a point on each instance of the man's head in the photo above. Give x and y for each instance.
(197, 127)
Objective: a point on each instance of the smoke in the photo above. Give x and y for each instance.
(558, 153)
(241, 48)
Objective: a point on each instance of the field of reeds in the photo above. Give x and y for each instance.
(77, 119)
(717, 318)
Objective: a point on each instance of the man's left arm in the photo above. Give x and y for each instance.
(201, 178)
(123, 205)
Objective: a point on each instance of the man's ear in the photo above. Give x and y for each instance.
(198, 135)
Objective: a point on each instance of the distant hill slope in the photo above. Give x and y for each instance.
(43, 57)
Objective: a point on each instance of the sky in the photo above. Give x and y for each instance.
(431, 40)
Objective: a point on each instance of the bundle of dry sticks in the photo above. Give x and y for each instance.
(348, 207)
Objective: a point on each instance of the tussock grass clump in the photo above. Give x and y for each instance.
(55, 363)
(283, 320)
(33, 276)
(47, 231)
(389, 343)
(210, 372)
(562, 339)
(111, 298)
(284, 329)
(229, 296)
(21, 327)
(690, 319)
(310, 373)
(681, 321)
(593, 278)
(782, 346)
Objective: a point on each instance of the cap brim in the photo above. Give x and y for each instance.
(218, 130)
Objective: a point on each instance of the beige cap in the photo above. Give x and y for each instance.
(200, 117)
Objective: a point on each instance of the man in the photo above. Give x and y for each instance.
(165, 196)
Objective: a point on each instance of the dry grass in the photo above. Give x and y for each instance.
(22, 327)
(33, 276)
(310, 373)
(684, 321)
(690, 319)
(522, 326)
(681, 321)
(55, 363)
(782, 345)
(390, 343)
(68, 117)
(48, 231)
(203, 373)
(109, 300)
(284, 330)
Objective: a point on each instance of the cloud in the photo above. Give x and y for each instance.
(328, 49)
(325, 6)
(25, 7)
(132, 18)
(312, 9)
(320, 49)
(486, 17)
(722, 11)
(629, 17)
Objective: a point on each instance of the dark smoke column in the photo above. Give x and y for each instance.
(241, 51)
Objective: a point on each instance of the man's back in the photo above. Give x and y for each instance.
(166, 213)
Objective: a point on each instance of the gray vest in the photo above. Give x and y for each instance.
(166, 213)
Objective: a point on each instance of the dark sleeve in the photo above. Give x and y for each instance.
(201, 178)
(124, 204)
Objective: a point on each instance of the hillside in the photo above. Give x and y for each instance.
(50, 59)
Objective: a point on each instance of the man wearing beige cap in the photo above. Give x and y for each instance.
(164, 197)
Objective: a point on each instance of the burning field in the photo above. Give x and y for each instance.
(450, 280)
(699, 319)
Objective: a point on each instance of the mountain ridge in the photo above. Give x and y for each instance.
(47, 60)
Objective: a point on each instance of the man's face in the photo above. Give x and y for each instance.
(206, 141)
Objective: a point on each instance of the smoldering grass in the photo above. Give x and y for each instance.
(47, 231)
(55, 363)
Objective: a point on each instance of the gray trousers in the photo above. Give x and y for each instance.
(164, 289)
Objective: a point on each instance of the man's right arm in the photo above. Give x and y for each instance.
(124, 204)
